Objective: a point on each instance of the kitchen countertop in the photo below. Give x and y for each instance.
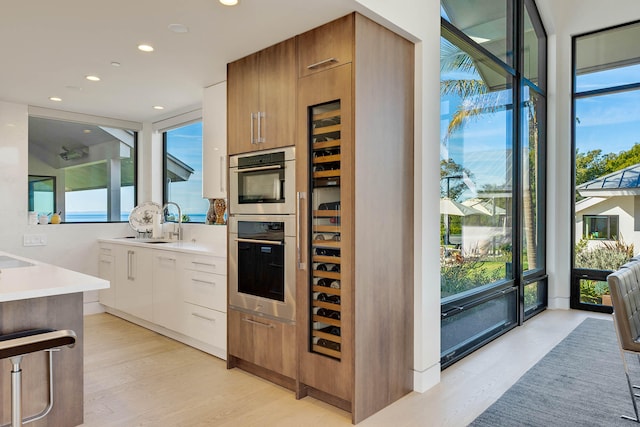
(186, 246)
(23, 278)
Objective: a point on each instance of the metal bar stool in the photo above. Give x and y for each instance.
(14, 346)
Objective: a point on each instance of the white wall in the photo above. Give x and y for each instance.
(72, 246)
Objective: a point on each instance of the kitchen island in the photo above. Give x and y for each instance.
(39, 295)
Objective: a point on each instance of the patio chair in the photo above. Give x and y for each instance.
(624, 285)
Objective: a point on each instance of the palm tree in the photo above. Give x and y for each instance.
(477, 99)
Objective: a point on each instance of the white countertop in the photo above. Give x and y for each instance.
(186, 246)
(43, 280)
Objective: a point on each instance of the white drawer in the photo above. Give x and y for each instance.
(206, 289)
(208, 264)
(203, 324)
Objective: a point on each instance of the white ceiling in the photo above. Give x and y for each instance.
(47, 47)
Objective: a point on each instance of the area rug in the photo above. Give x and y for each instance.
(580, 382)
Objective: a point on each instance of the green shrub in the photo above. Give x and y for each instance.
(466, 274)
(606, 256)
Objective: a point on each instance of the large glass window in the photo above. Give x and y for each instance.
(606, 125)
(183, 172)
(89, 170)
(493, 110)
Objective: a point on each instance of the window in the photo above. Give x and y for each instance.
(600, 227)
(493, 111)
(183, 171)
(85, 171)
(42, 194)
(606, 159)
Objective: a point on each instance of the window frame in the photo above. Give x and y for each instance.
(609, 218)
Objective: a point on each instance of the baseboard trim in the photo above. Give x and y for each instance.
(424, 380)
(93, 307)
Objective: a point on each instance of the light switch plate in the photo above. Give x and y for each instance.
(34, 240)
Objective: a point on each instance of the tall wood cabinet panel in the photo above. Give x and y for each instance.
(261, 99)
(326, 47)
(372, 349)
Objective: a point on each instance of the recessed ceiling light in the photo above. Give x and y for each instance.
(158, 107)
(229, 2)
(178, 28)
(55, 98)
(145, 48)
(115, 64)
(92, 78)
(86, 131)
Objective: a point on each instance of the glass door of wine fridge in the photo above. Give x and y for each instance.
(325, 248)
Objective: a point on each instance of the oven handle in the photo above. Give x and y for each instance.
(258, 168)
(266, 242)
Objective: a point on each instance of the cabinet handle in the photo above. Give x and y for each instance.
(165, 258)
(222, 174)
(260, 115)
(257, 168)
(255, 322)
(253, 139)
(200, 316)
(204, 281)
(323, 62)
(203, 263)
(264, 242)
(130, 265)
(301, 195)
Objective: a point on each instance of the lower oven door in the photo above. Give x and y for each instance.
(262, 271)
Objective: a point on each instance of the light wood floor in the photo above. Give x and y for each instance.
(135, 377)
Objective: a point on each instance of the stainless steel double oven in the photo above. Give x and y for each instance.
(262, 233)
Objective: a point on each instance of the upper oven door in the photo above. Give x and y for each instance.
(263, 182)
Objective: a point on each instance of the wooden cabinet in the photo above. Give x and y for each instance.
(133, 280)
(325, 47)
(261, 99)
(261, 344)
(214, 141)
(355, 280)
(353, 344)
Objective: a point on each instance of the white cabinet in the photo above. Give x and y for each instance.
(205, 300)
(167, 292)
(107, 271)
(178, 294)
(214, 142)
(134, 287)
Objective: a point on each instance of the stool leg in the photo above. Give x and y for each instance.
(16, 392)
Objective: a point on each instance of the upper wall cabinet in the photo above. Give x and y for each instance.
(214, 141)
(261, 101)
(326, 47)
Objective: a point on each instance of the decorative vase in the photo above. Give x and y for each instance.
(211, 213)
(219, 207)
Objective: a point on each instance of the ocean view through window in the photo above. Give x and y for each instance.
(92, 166)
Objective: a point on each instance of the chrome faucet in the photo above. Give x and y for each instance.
(177, 234)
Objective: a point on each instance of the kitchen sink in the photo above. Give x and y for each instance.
(9, 262)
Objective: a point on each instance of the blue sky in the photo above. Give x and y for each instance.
(608, 122)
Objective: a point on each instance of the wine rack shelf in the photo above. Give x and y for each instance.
(324, 288)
